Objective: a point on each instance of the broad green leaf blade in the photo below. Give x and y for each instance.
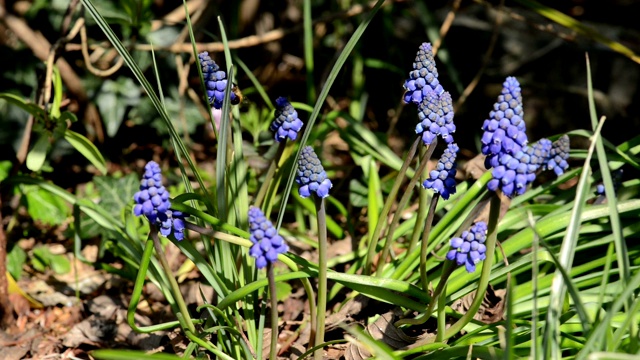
(44, 206)
(116, 193)
(32, 109)
(87, 149)
(38, 154)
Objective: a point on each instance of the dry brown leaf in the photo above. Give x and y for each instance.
(93, 331)
(474, 168)
(491, 310)
(381, 330)
(346, 313)
(17, 346)
(293, 306)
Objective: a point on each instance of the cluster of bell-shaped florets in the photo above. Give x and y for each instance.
(267, 244)
(311, 175)
(286, 124)
(424, 76)
(215, 81)
(505, 129)
(558, 155)
(442, 179)
(515, 172)
(152, 201)
(435, 113)
(469, 249)
(504, 142)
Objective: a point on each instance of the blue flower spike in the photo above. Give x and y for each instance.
(558, 155)
(469, 249)
(215, 81)
(515, 172)
(267, 244)
(152, 201)
(311, 175)
(435, 113)
(286, 124)
(442, 179)
(424, 76)
(504, 131)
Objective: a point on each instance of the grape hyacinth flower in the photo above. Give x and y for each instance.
(424, 76)
(311, 175)
(215, 81)
(286, 123)
(539, 152)
(558, 156)
(515, 172)
(267, 244)
(435, 113)
(442, 178)
(152, 201)
(504, 131)
(469, 248)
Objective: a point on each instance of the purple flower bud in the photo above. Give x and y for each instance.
(311, 175)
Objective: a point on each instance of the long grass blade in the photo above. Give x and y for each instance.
(137, 72)
(622, 255)
(323, 96)
(551, 341)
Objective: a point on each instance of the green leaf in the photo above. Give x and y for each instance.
(283, 290)
(87, 149)
(113, 99)
(358, 193)
(38, 154)
(15, 259)
(38, 265)
(42, 258)
(32, 109)
(57, 94)
(131, 355)
(60, 264)
(116, 193)
(5, 169)
(44, 206)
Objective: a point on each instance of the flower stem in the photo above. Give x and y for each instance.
(403, 202)
(322, 275)
(272, 170)
(425, 243)
(449, 266)
(442, 317)
(494, 214)
(382, 219)
(422, 210)
(274, 313)
(183, 315)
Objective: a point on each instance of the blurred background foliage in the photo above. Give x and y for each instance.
(547, 58)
